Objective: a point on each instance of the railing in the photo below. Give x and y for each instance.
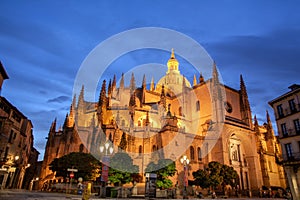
(289, 157)
(287, 111)
(289, 133)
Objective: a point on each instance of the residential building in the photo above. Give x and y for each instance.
(287, 113)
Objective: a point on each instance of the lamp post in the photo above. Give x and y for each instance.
(105, 163)
(185, 161)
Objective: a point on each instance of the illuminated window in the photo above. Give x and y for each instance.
(154, 148)
(192, 153)
(140, 150)
(180, 111)
(197, 105)
(81, 148)
(199, 154)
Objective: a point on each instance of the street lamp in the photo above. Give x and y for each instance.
(185, 161)
(105, 163)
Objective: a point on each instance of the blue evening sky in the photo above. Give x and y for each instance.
(43, 43)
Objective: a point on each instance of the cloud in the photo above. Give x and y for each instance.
(60, 99)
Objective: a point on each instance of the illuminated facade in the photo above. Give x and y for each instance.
(206, 121)
(16, 142)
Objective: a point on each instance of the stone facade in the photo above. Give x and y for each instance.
(206, 121)
(16, 142)
(287, 113)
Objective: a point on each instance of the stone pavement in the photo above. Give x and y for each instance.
(7, 194)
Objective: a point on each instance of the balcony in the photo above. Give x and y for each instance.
(289, 159)
(289, 133)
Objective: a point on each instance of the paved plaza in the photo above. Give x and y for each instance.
(37, 195)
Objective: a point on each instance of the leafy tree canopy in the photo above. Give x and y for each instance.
(88, 166)
(164, 168)
(122, 169)
(214, 175)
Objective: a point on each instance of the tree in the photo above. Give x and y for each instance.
(230, 176)
(121, 169)
(164, 168)
(123, 143)
(88, 166)
(214, 175)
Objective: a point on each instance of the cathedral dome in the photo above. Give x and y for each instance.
(173, 80)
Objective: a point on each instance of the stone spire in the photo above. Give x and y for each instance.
(132, 85)
(144, 82)
(109, 89)
(215, 74)
(74, 101)
(245, 106)
(53, 127)
(122, 82)
(201, 78)
(81, 98)
(270, 132)
(71, 118)
(163, 98)
(269, 120)
(152, 85)
(256, 126)
(172, 64)
(195, 80)
(102, 103)
(244, 93)
(143, 91)
(114, 83)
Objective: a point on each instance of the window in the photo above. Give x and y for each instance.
(192, 153)
(199, 154)
(154, 148)
(280, 111)
(6, 152)
(57, 150)
(123, 122)
(110, 137)
(284, 130)
(289, 150)
(292, 105)
(180, 111)
(139, 123)
(81, 148)
(297, 126)
(140, 150)
(270, 166)
(197, 105)
(10, 136)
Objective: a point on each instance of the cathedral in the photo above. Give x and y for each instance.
(206, 121)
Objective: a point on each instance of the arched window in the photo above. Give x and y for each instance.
(192, 153)
(81, 148)
(140, 150)
(197, 105)
(180, 111)
(110, 137)
(154, 148)
(57, 150)
(199, 154)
